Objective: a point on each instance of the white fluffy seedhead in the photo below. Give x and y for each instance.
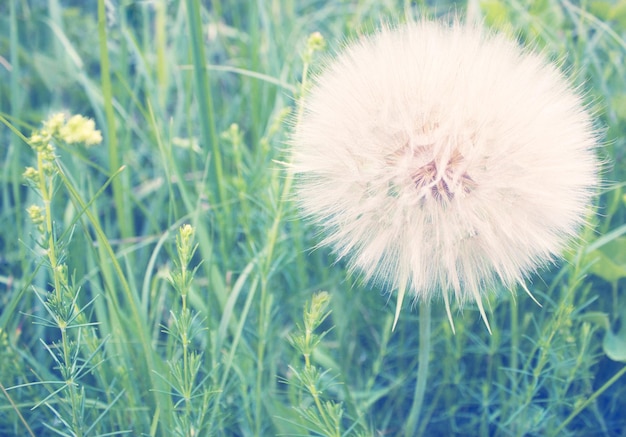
(441, 159)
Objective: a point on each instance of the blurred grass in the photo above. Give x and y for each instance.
(197, 112)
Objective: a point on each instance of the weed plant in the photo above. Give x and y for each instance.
(160, 283)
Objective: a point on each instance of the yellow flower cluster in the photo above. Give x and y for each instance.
(79, 129)
(76, 129)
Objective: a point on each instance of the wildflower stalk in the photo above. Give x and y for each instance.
(184, 380)
(325, 416)
(46, 186)
(61, 302)
(314, 43)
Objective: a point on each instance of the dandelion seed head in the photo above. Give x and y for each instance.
(444, 158)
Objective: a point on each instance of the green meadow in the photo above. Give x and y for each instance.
(163, 283)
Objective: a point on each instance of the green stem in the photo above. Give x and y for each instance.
(46, 189)
(46, 195)
(422, 371)
(318, 404)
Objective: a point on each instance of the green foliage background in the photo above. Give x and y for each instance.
(194, 100)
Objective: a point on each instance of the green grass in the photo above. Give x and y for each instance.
(124, 329)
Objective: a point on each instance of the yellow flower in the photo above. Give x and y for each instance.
(53, 124)
(79, 129)
(32, 175)
(36, 214)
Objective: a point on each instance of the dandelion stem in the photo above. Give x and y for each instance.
(422, 371)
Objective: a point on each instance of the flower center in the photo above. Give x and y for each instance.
(432, 177)
(443, 180)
